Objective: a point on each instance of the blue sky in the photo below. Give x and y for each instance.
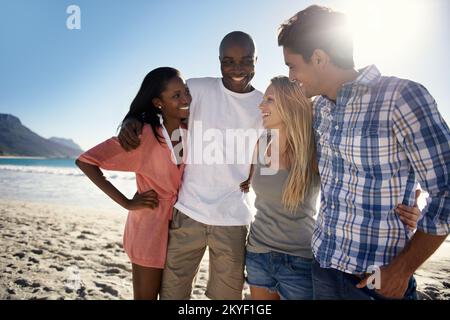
(79, 83)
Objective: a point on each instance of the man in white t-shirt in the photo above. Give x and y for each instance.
(211, 210)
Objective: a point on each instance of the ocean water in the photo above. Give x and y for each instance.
(59, 181)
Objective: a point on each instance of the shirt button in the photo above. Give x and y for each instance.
(336, 180)
(333, 206)
(337, 127)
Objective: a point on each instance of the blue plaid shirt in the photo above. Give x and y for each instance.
(381, 136)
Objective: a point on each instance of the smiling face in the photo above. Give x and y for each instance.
(306, 74)
(271, 116)
(237, 63)
(174, 100)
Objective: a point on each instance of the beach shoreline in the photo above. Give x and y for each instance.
(23, 157)
(36, 158)
(60, 252)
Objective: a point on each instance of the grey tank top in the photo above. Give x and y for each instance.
(275, 228)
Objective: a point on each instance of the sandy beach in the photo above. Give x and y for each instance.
(64, 252)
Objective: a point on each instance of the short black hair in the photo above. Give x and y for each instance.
(318, 27)
(237, 37)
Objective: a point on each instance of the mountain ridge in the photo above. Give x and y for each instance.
(18, 140)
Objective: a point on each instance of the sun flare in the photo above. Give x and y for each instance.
(386, 30)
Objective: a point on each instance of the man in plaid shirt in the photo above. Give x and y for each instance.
(376, 137)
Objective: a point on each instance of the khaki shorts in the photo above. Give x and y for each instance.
(188, 240)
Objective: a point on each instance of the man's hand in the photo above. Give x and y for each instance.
(245, 186)
(393, 282)
(145, 200)
(129, 134)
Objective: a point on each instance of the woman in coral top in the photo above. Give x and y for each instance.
(161, 103)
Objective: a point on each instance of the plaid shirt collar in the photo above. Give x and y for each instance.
(368, 76)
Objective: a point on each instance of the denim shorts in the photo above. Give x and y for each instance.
(289, 276)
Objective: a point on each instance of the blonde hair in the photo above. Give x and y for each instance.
(295, 110)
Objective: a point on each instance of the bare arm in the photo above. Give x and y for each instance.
(140, 201)
(395, 276)
(417, 251)
(129, 134)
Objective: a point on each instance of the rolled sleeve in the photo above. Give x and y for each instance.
(425, 137)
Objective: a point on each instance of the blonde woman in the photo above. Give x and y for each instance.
(279, 255)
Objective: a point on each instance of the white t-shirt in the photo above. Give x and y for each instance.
(210, 191)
